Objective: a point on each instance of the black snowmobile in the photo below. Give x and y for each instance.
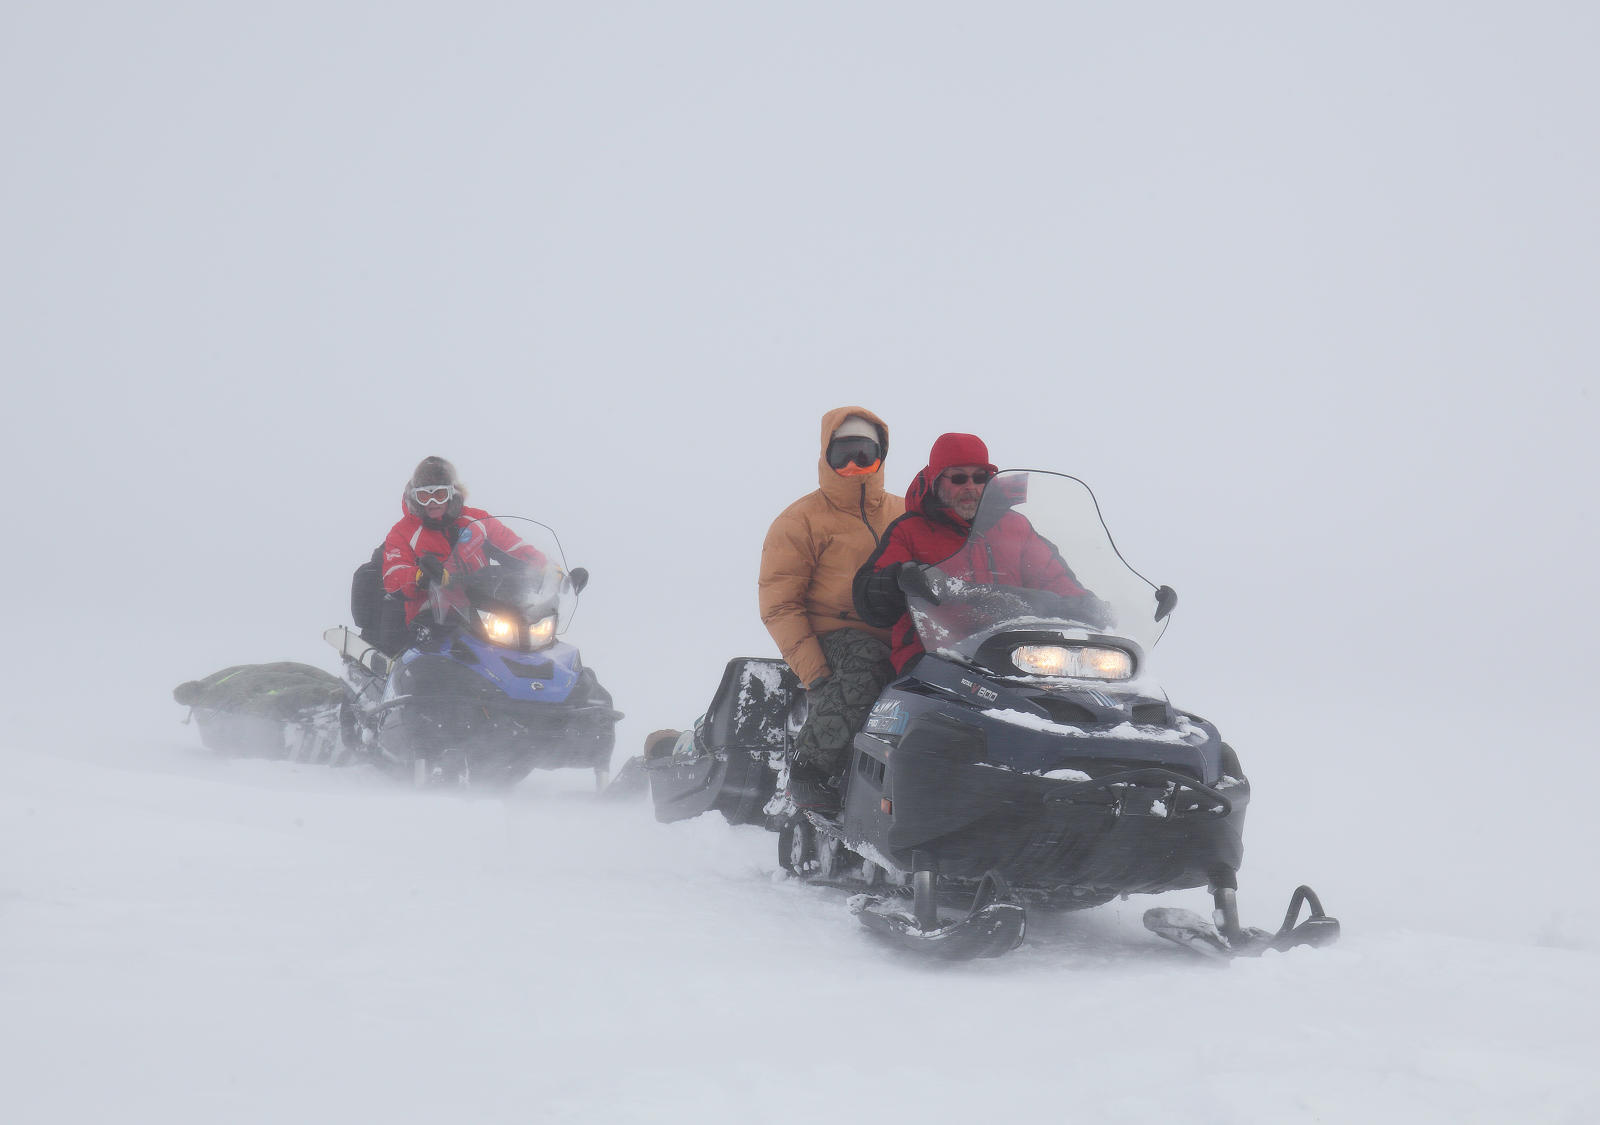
(1027, 757)
(482, 691)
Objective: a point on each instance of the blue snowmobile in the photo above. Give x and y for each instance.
(1027, 757)
(481, 690)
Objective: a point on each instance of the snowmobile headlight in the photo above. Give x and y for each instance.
(542, 631)
(1080, 662)
(500, 628)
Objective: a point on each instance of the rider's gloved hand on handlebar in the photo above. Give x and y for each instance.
(431, 571)
(915, 581)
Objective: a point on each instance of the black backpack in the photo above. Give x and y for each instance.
(380, 617)
(366, 595)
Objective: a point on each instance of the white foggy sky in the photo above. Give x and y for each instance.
(1304, 295)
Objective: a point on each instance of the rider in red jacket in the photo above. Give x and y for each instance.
(938, 529)
(434, 525)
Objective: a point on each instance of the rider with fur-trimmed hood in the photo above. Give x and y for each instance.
(808, 562)
(435, 515)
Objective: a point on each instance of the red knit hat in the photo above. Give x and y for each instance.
(957, 449)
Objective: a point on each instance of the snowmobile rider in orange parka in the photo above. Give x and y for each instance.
(436, 516)
(808, 563)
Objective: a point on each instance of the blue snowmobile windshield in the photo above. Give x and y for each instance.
(509, 565)
(1038, 559)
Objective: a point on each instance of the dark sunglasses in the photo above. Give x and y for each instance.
(980, 477)
(862, 451)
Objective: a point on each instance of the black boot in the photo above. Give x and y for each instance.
(810, 788)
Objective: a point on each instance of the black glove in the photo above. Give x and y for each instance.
(430, 570)
(914, 580)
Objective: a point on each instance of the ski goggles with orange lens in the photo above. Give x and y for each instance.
(434, 494)
(854, 456)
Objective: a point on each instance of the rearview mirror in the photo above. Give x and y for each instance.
(1166, 600)
(579, 577)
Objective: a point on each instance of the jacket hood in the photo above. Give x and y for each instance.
(435, 470)
(846, 491)
(921, 500)
(948, 449)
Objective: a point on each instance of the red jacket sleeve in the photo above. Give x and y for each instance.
(1044, 569)
(507, 540)
(399, 562)
(896, 548)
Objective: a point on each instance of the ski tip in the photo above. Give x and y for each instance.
(1188, 929)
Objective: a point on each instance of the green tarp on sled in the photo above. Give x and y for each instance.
(281, 710)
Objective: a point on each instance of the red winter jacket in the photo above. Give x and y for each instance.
(1009, 552)
(410, 539)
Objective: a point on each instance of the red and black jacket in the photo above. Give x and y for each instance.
(1006, 552)
(413, 537)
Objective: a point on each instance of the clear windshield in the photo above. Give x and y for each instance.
(1038, 558)
(507, 566)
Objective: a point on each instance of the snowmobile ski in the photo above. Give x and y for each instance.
(994, 930)
(991, 927)
(1226, 938)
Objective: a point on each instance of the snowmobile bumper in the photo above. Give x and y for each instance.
(1113, 825)
(498, 734)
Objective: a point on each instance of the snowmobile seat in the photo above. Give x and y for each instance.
(725, 764)
(750, 710)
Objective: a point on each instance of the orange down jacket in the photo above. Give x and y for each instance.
(813, 550)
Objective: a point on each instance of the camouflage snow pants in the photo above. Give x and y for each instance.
(838, 708)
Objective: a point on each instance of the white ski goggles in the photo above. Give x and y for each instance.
(434, 494)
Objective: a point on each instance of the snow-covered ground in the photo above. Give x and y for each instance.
(189, 938)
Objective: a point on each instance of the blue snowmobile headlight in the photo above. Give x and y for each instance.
(1078, 662)
(500, 629)
(542, 631)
